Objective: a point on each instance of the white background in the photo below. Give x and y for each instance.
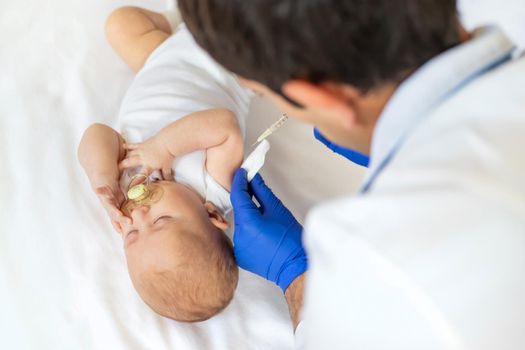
(63, 281)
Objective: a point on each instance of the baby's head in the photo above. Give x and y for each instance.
(179, 259)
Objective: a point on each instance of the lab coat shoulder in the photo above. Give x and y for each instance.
(470, 146)
(431, 257)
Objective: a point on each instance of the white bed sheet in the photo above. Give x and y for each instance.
(63, 280)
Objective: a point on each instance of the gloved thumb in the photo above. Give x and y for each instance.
(265, 196)
(240, 195)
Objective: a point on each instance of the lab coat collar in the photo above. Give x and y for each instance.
(428, 87)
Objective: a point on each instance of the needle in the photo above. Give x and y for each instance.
(272, 128)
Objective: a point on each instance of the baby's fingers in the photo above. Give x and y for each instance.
(131, 146)
(133, 153)
(130, 162)
(167, 173)
(116, 215)
(117, 226)
(103, 191)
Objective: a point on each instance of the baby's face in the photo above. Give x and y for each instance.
(161, 228)
(173, 247)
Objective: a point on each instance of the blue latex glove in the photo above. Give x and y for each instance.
(267, 239)
(351, 155)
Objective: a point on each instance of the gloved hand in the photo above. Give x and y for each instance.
(267, 239)
(349, 154)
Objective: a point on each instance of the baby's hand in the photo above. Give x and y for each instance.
(111, 198)
(151, 155)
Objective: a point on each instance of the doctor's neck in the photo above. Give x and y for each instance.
(365, 109)
(464, 35)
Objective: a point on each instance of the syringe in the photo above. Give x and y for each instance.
(272, 128)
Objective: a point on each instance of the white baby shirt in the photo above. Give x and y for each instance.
(178, 79)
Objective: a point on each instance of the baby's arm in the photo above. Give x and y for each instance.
(215, 130)
(135, 32)
(99, 152)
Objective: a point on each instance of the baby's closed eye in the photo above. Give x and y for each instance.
(163, 218)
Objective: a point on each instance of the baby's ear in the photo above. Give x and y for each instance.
(216, 217)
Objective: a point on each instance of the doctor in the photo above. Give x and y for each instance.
(431, 253)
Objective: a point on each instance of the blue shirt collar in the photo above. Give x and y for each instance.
(428, 87)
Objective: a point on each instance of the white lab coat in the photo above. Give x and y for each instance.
(432, 254)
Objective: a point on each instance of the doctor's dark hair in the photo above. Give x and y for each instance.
(364, 43)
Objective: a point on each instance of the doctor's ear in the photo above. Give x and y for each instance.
(334, 100)
(215, 216)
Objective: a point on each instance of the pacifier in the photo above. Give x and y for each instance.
(141, 194)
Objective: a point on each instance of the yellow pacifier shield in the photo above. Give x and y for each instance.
(137, 192)
(141, 195)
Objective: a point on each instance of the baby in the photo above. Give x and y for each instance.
(181, 140)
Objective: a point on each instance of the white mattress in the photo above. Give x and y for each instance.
(63, 280)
